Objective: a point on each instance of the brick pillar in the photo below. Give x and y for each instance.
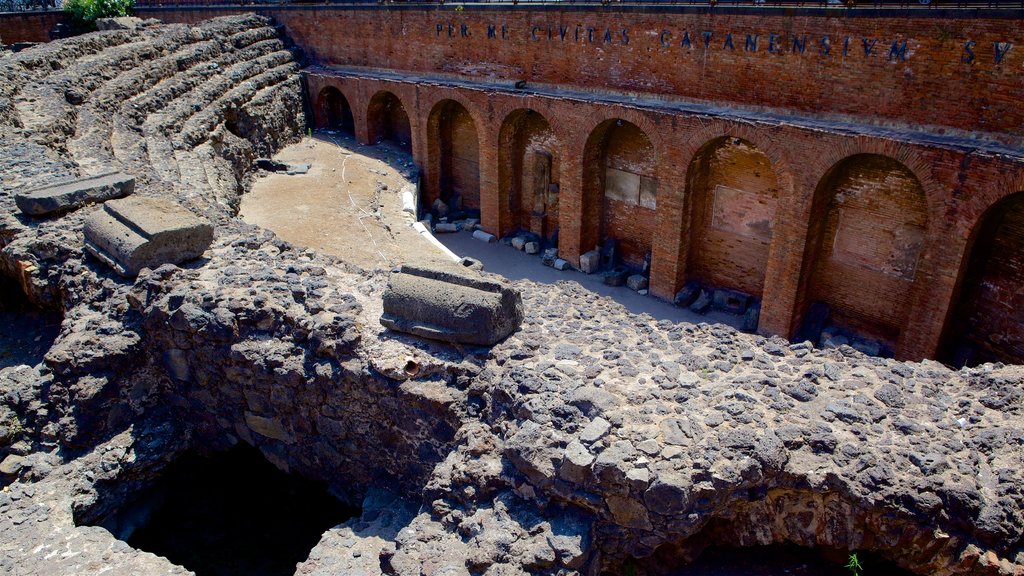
(490, 195)
(360, 108)
(570, 205)
(786, 257)
(669, 250)
(931, 296)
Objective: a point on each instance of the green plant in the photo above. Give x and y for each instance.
(854, 565)
(83, 13)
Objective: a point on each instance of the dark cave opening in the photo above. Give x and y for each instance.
(28, 331)
(770, 560)
(232, 513)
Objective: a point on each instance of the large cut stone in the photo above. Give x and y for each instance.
(135, 233)
(451, 304)
(75, 193)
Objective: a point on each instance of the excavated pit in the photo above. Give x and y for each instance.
(230, 513)
(28, 331)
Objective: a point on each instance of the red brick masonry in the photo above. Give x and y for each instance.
(849, 160)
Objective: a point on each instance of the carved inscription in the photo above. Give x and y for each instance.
(740, 42)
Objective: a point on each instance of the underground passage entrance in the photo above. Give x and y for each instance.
(229, 514)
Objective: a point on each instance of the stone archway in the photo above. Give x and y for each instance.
(987, 320)
(620, 186)
(334, 112)
(454, 155)
(733, 190)
(388, 121)
(529, 165)
(868, 222)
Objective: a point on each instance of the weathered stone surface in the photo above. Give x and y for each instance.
(135, 233)
(636, 282)
(451, 304)
(590, 262)
(74, 193)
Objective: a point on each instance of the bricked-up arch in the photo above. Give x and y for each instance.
(987, 323)
(528, 173)
(868, 224)
(333, 111)
(387, 121)
(454, 155)
(620, 185)
(733, 191)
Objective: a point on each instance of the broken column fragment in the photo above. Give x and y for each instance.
(135, 233)
(451, 304)
(73, 194)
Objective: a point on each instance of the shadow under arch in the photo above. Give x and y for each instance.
(388, 121)
(529, 167)
(333, 111)
(986, 322)
(453, 152)
(620, 187)
(733, 190)
(868, 223)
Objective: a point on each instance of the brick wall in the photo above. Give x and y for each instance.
(28, 27)
(388, 121)
(906, 69)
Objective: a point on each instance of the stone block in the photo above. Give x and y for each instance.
(616, 276)
(732, 301)
(75, 193)
(532, 247)
(452, 304)
(549, 256)
(702, 304)
(636, 282)
(446, 228)
(561, 264)
(686, 296)
(135, 233)
(519, 243)
(590, 262)
(484, 236)
(439, 208)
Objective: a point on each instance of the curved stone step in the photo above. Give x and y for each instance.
(198, 127)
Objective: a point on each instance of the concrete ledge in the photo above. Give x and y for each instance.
(135, 233)
(74, 193)
(452, 304)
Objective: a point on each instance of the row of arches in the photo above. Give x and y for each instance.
(866, 236)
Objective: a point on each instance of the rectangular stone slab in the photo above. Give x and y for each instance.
(75, 193)
(135, 233)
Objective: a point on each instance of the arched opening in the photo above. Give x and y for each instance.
(388, 121)
(733, 192)
(987, 322)
(529, 167)
(454, 157)
(868, 222)
(620, 188)
(333, 111)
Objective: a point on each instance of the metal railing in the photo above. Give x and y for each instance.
(838, 5)
(752, 4)
(29, 5)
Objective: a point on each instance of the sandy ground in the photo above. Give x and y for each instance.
(339, 207)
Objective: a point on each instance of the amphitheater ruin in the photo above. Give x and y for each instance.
(207, 217)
